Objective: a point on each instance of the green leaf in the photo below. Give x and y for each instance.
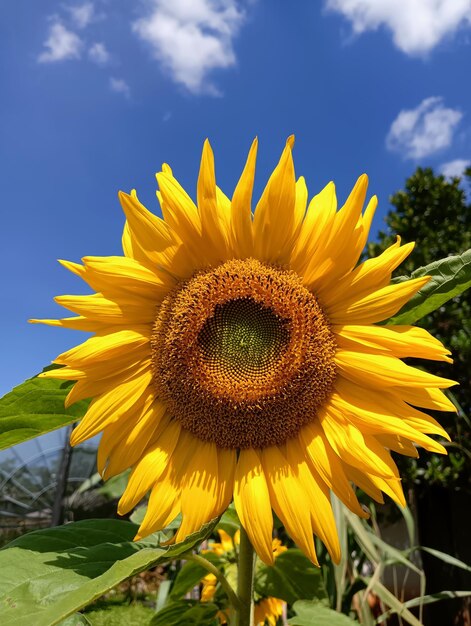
(188, 612)
(363, 536)
(450, 277)
(394, 556)
(428, 599)
(50, 574)
(36, 407)
(447, 558)
(77, 619)
(292, 577)
(410, 523)
(137, 516)
(162, 594)
(190, 575)
(230, 521)
(316, 614)
(340, 569)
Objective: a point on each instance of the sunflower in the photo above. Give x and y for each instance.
(267, 610)
(238, 356)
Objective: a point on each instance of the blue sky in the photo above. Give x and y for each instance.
(97, 94)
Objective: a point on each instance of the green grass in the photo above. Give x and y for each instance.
(113, 614)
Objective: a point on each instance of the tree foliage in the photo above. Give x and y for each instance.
(436, 214)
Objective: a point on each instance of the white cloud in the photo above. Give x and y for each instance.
(99, 54)
(419, 132)
(120, 86)
(417, 26)
(454, 168)
(82, 14)
(62, 44)
(191, 37)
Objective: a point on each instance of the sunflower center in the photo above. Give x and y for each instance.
(242, 343)
(243, 354)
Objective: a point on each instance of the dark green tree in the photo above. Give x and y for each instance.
(436, 214)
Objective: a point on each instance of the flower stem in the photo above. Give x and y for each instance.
(245, 581)
(231, 594)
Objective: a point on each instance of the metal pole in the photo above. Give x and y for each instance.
(57, 516)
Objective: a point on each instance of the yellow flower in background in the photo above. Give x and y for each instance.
(237, 356)
(266, 610)
(226, 545)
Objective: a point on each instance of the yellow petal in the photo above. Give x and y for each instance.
(398, 444)
(151, 465)
(74, 323)
(363, 480)
(103, 376)
(316, 226)
(133, 436)
(227, 461)
(366, 220)
(380, 370)
(392, 487)
(286, 495)
(199, 497)
(369, 276)
(97, 378)
(90, 387)
(274, 220)
(252, 502)
(373, 415)
(328, 466)
(400, 341)
(106, 346)
(300, 203)
(152, 241)
(429, 398)
(98, 308)
(75, 268)
(390, 403)
(212, 223)
(115, 275)
(339, 251)
(225, 214)
(241, 215)
(375, 306)
(373, 485)
(128, 248)
(180, 212)
(354, 447)
(110, 406)
(318, 499)
(163, 506)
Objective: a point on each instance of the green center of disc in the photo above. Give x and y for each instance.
(243, 338)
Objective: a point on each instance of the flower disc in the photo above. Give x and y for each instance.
(243, 355)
